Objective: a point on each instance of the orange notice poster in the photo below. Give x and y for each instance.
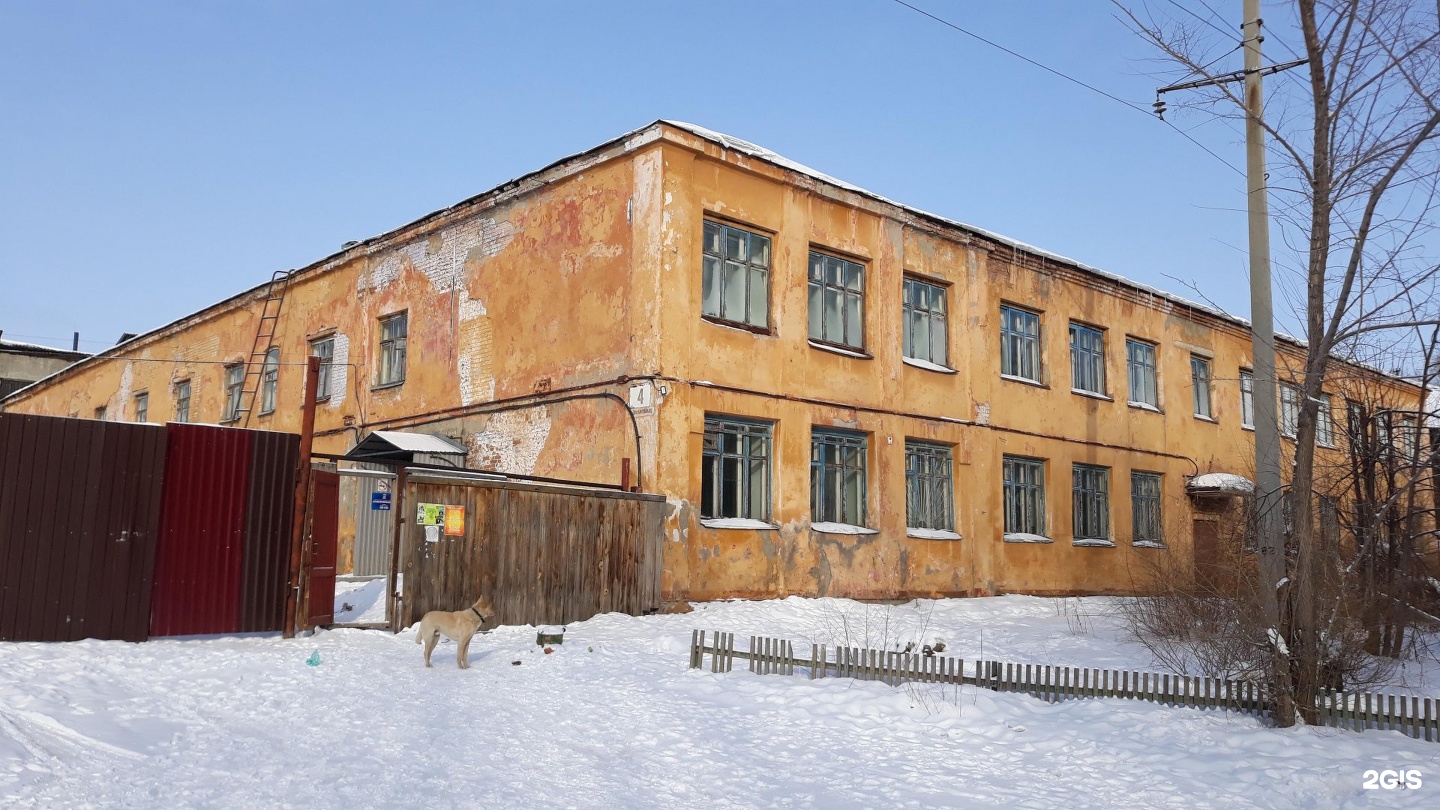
(454, 520)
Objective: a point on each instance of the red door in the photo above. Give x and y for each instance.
(324, 530)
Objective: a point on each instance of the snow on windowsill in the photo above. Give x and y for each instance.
(1148, 544)
(736, 523)
(826, 527)
(927, 365)
(1212, 420)
(1082, 392)
(932, 534)
(1092, 542)
(1143, 406)
(825, 347)
(1023, 537)
(1025, 380)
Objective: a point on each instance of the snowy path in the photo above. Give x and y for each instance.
(244, 722)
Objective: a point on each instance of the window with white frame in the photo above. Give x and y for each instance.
(1019, 343)
(324, 348)
(1091, 502)
(394, 336)
(1289, 410)
(837, 477)
(1247, 399)
(142, 407)
(735, 468)
(269, 381)
(1024, 482)
(926, 336)
(837, 301)
(1325, 423)
(1140, 360)
(735, 276)
(1200, 385)
(929, 487)
(234, 389)
(182, 401)
(1087, 359)
(1407, 434)
(1146, 525)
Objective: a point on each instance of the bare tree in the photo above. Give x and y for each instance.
(1353, 187)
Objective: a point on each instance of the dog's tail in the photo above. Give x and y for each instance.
(419, 629)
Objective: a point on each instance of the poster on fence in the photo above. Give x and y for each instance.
(454, 520)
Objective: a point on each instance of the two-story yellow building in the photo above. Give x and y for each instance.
(838, 394)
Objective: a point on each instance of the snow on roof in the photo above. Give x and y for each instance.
(417, 442)
(7, 343)
(1224, 483)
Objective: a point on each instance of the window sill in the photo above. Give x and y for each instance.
(737, 523)
(826, 527)
(1212, 420)
(270, 412)
(384, 386)
(1023, 537)
(1024, 380)
(1250, 428)
(932, 534)
(1082, 392)
(826, 347)
(927, 365)
(738, 326)
(1092, 542)
(1331, 446)
(1148, 544)
(1144, 406)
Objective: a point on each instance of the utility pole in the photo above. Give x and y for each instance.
(1269, 497)
(1269, 511)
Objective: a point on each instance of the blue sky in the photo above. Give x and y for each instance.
(159, 157)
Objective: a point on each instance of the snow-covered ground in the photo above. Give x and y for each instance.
(615, 719)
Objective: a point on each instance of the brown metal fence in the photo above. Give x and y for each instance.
(79, 516)
(122, 531)
(542, 554)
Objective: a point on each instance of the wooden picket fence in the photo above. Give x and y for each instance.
(1413, 716)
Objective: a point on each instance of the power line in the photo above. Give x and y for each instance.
(1071, 79)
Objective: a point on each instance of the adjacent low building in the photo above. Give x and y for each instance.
(24, 363)
(838, 394)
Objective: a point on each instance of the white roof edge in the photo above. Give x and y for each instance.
(418, 442)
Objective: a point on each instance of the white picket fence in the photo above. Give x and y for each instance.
(1413, 716)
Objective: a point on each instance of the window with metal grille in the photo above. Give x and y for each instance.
(1087, 359)
(1024, 495)
(394, 332)
(735, 276)
(1140, 357)
(234, 389)
(1200, 385)
(837, 301)
(1145, 507)
(1325, 423)
(1019, 343)
(1247, 399)
(735, 469)
(1091, 502)
(837, 477)
(926, 336)
(182, 401)
(269, 381)
(324, 349)
(142, 407)
(929, 487)
(1289, 410)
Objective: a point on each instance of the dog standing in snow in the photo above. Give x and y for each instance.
(457, 625)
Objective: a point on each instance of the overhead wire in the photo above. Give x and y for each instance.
(1130, 104)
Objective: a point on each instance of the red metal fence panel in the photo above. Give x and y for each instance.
(268, 511)
(198, 563)
(79, 510)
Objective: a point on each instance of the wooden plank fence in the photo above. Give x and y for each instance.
(1413, 716)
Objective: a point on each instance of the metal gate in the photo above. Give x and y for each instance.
(373, 519)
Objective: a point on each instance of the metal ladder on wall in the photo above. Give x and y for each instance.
(264, 341)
